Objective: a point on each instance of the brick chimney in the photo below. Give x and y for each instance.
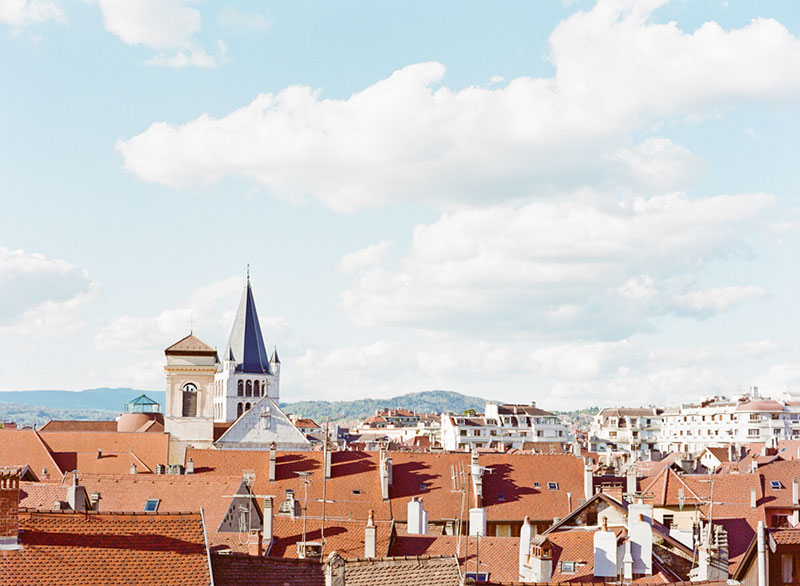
(9, 509)
(255, 543)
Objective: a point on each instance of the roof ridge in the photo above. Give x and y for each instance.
(49, 452)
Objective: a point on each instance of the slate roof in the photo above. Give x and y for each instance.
(237, 569)
(99, 548)
(246, 344)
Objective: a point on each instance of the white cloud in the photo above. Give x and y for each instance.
(39, 295)
(576, 361)
(559, 265)
(145, 374)
(163, 25)
(20, 14)
(409, 138)
(232, 17)
(211, 308)
(365, 257)
(711, 301)
(705, 354)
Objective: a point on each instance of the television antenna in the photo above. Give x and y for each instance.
(459, 480)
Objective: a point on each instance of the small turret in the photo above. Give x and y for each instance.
(275, 362)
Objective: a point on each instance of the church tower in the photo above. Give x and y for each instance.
(245, 373)
(189, 409)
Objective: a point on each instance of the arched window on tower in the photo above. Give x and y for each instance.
(247, 407)
(189, 400)
(240, 389)
(256, 389)
(239, 410)
(248, 389)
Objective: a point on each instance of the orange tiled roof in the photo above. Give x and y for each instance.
(21, 447)
(99, 548)
(78, 450)
(75, 425)
(403, 571)
(236, 569)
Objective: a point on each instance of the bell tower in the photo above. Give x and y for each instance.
(189, 409)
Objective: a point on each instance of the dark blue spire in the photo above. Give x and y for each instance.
(246, 345)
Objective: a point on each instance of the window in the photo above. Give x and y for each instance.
(189, 400)
(787, 568)
(247, 406)
(552, 486)
(239, 409)
(501, 498)
(256, 389)
(753, 432)
(240, 389)
(248, 389)
(568, 567)
(478, 576)
(668, 521)
(537, 485)
(775, 484)
(151, 505)
(755, 417)
(356, 491)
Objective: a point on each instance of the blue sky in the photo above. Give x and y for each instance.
(575, 203)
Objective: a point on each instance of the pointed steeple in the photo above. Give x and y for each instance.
(246, 345)
(275, 359)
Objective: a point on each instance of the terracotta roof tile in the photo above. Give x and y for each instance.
(78, 450)
(97, 548)
(236, 569)
(74, 425)
(410, 571)
(21, 447)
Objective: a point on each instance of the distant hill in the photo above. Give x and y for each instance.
(103, 399)
(105, 403)
(27, 415)
(422, 402)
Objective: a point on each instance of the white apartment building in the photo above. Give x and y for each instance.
(692, 428)
(503, 427)
(626, 430)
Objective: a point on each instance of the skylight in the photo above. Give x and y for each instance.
(537, 485)
(552, 485)
(775, 484)
(151, 505)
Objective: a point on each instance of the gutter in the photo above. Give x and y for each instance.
(208, 551)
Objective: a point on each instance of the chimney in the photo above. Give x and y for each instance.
(386, 475)
(99, 453)
(476, 473)
(627, 562)
(255, 543)
(370, 536)
(76, 494)
(326, 456)
(9, 509)
(712, 559)
(417, 517)
(605, 552)
(640, 535)
(525, 537)
(795, 501)
(272, 457)
(731, 453)
(334, 570)
(267, 518)
(576, 448)
(630, 486)
(190, 467)
(753, 501)
(477, 521)
(133, 467)
(588, 482)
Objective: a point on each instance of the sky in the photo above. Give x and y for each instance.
(570, 202)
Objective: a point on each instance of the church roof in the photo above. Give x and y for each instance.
(190, 346)
(246, 345)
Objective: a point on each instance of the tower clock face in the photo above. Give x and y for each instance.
(190, 388)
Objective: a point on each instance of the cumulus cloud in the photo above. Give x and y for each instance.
(166, 25)
(566, 266)
(19, 14)
(410, 138)
(39, 295)
(365, 257)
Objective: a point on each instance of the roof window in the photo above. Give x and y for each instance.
(568, 567)
(356, 491)
(151, 505)
(775, 484)
(552, 486)
(537, 485)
